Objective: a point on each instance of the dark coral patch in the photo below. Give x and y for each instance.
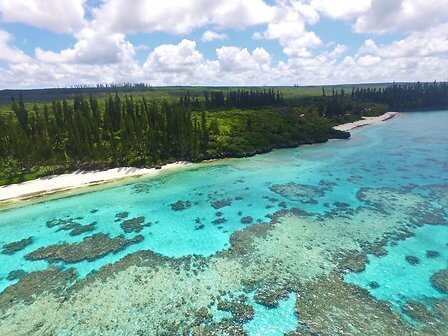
(221, 203)
(16, 275)
(247, 220)
(134, 224)
(14, 247)
(341, 205)
(51, 280)
(91, 248)
(61, 222)
(203, 316)
(282, 205)
(220, 220)
(374, 285)
(269, 297)
(417, 311)
(199, 227)
(83, 229)
(439, 281)
(413, 260)
(240, 310)
(121, 215)
(352, 261)
(180, 205)
(432, 254)
(77, 229)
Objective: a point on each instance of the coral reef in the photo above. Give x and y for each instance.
(134, 224)
(14, 247)
(221, 203)
(91, 248)
(440, 281)
(180, 205)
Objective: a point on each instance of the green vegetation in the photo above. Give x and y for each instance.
(109, 130)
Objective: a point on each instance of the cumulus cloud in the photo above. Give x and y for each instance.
(431, 42)
(59, 16)
(92, 47)
(338, 51)
(180, 17)
(342, 9)
(10, 53)
(103, 52)
(290, 30)
(209, 36)
(182, 57)
(386, 16)
(233, 59)
(368, 60)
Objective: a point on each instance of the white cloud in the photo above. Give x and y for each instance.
(342, 9)
(103, 53)
(10, 53)
(338, 51)
(209, 36)
(174, 64)
(368, 46)
(92, 47)
(386, 16)
(307, 11)
(432, 42)
(233, 59)
(182, 57)
(369, 60)
(180, 17)
(289, 28)
(261, 56)
(59, 16)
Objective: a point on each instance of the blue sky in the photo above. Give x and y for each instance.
(221, 42)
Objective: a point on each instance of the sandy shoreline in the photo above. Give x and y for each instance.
(366, 121)
(57, 183)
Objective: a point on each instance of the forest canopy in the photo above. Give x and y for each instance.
(120, 129)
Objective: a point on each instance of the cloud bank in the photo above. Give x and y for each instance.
(103, 51)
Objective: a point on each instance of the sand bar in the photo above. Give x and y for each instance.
(55, 183)
(366, 121)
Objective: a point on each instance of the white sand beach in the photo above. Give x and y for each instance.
(55, 183)
(366, 121)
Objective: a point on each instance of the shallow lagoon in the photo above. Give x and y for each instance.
(195, 212)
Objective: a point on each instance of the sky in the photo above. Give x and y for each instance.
(59, 43)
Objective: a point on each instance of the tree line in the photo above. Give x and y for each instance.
(49, 94)
(234, 99)
(123, 131)
(398, 97)
(406, 96)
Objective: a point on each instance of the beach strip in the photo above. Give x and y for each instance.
(366, 121)
(56, 183)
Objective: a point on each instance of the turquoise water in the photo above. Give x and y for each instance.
(273, 321)
(398, 280)
(226, 196)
